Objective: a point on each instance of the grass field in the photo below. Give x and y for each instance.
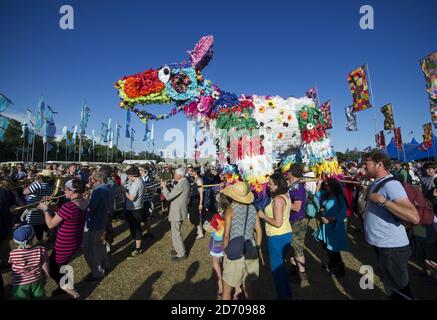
(153, 275)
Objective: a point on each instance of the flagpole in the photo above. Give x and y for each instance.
(22, 151)
(33, 145)
(80, 146)
(371, 97)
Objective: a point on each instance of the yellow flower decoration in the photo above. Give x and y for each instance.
(271, 104)
(262, 109)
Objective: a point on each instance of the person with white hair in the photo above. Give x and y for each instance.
(178, 199)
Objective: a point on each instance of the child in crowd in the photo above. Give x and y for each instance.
(29, 266)
(216, 227)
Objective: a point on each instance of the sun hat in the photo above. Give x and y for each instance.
(239, 192)
(45, 173)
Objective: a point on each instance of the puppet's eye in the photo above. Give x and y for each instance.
(164, 74)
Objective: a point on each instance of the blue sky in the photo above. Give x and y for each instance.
(262, 47)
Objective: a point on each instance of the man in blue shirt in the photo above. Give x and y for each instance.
(99, 209)
(385, 210)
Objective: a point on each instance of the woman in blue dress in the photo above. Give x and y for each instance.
(332, 232)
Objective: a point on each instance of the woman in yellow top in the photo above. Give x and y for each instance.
(278, 230)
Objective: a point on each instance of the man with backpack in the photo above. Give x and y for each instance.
(387, 207)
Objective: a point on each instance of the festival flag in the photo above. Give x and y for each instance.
(108, 138)
(382, 139)
(146, 132)
(50, 127)
(40, 112)
(74, 134)
(5, 102)
(103, 133)
(152, 136)
(132, 139)
(312, 94)
(398, 138)
(31, 135)
(387, 111)
(429, 68)
(111, 138)
(351, 119)
(64, 132)
(327, 116)
(84, 117)
(427, 136)
(4, 123)
(117, 133)
(359, 89)
(127, 123)
(23, 130)
(93, 137)
(368, 149)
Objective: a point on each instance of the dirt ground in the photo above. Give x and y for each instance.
(153, 275)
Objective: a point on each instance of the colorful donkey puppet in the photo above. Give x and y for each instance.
(246, 129)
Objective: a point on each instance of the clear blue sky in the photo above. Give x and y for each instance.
(261, 47)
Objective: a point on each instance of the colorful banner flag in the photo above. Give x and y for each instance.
(368, 149)
(351, 119)
(312, 94)
(387, 111)
(398, 138)
(380, 140)
(359, 88)
(108, 138)
(5, 102)
(74, 134)
(327, 116)
(427, 136)
(146, 132)
(50, 127)
(429, 68)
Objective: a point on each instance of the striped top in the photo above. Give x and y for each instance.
(70, 232)
(27, 265)
(148, 182)
(38, 190)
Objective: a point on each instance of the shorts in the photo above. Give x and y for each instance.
(299, 233)
(134, 219)
(31, 291)
(237, 272)
(216, 255)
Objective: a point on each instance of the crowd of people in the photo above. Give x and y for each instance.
(392, 204)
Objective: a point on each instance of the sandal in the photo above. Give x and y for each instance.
(200, 237)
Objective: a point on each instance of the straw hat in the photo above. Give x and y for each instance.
(239, 192)
(45, 173)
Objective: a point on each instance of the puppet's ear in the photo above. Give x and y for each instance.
(202, 52)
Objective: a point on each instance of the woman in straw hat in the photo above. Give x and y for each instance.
(241, 219)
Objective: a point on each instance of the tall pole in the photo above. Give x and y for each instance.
(371, 98)
(33, 145)
(66, 149)
(22, 151)
(80, 146)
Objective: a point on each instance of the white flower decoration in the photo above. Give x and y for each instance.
(310, 126)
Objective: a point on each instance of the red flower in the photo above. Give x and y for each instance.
(304, 115)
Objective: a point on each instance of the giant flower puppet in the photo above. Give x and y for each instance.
(266, 119)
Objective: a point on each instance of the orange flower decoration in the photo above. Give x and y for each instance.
(304, 115)
(280, 135)
(262, 109)
(289, 117)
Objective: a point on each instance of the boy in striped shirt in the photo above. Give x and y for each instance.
(34, 193)
(29, 266)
